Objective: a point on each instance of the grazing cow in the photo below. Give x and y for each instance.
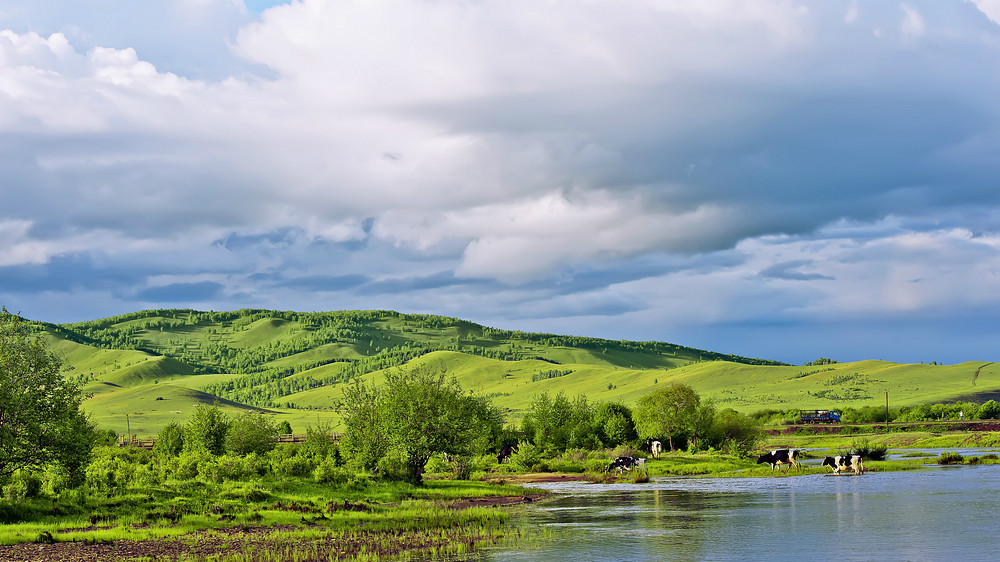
(624, 463)
(779, 457)
(505, 452)
(839, 463)
(655, 447)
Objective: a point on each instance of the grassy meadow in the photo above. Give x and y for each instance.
(146, 369)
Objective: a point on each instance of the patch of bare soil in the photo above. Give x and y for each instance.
(531, 478)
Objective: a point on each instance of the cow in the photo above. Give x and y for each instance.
(840, 463)
(779, 457)
(624, 463)
(655, 447)
(505, 452)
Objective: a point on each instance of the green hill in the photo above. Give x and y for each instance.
(295, 364)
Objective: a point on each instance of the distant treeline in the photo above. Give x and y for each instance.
(957, 411)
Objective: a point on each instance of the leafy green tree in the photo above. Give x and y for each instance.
(990, 410)
(702, 422)
(416, 414)
(284, 428)
(364, 440)
(207, 430)
(666, 411)
(170, 441)
(251, 432)
(613, 423)
(40, 417)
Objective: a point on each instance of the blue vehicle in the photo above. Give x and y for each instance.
(819, 416)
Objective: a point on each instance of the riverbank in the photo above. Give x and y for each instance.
(916, 437)
(269, 519)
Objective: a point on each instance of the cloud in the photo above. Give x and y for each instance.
(181, 292)
(505, 160)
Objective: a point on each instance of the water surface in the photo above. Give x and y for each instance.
(944, 513)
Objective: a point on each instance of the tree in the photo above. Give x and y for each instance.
(702, 421)
(40, 417)
(170, 441)
(613, 421)
(666, 412)
(251, 432)
(207, 430)
(416, 414)
(735, 433)
(990, 410)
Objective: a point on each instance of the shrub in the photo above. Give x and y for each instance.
(526, 457)
(950, 458)
(867, 450)
(188, 464)
(246, 492)
(296, 465)
(24, 484)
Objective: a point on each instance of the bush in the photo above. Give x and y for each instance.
(867, 450)
(951, 458)
(296, 465)
(526, 457)
(24, 484)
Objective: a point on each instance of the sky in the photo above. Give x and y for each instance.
(771, 178)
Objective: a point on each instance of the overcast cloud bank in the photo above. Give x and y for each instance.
(769, 178)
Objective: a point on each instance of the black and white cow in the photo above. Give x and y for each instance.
(655, 447)
(625, 463)
(505, 452)
(840, 463)
(779, 457)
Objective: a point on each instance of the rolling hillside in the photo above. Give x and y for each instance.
(148, 368)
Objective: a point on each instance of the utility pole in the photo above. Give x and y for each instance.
(887, 410)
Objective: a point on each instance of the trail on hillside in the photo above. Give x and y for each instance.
(976, 376)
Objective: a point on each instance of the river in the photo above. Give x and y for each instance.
(940, 513)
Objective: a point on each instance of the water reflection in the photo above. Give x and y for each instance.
(937, 514)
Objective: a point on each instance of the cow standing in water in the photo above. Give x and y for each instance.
(779, 457)
(839, 464)
(625, 463)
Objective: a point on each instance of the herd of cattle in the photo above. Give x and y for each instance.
(839, 463)
(775, 458)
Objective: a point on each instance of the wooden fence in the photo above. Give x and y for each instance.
(150, 442)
